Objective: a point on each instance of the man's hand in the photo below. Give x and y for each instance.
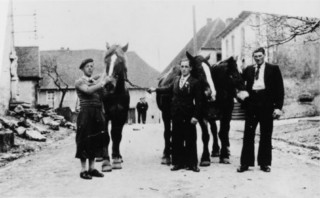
(242, 95)
(211, 94)
(277, 113)
(106, 79)
(194, 121)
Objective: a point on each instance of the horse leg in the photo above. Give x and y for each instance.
(224, 132)
(106, 166)
(205, 158)
(215, 146)
(166, 159)
(116, 136)
(224, 137)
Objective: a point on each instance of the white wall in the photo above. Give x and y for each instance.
(27, 91)
(70, 100)
(213, 55)
(246, 38)
(6, 45)
(153, 113)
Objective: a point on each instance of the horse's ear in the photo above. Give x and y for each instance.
(125, 48)
(189, 56)
(207, 57)
(235, 58)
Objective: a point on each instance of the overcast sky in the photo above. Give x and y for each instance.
(156, 30)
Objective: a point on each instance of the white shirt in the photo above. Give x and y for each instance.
(258, 84)
(183, 80)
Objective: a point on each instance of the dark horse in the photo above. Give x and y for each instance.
(116, 103)
(226, 79)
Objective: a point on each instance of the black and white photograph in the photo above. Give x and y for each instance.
(160, 98)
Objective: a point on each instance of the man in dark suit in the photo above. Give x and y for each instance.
(264, 84)
(142, 108)
(185, 111)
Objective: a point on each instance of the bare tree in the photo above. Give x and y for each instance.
(281, 29)
(49, 67)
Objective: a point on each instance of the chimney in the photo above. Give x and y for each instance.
(209, 20)
(228, 21)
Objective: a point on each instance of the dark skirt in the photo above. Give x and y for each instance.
(91, 137)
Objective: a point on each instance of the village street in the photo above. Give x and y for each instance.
(54, 172)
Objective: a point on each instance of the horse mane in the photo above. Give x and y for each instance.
(169, 77)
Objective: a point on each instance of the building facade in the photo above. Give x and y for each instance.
(7, 69)
(139, 73)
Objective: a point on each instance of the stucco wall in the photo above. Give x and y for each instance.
(27, 90)
(243, 39)
(153, 113)
(6, 42)
(70, 99)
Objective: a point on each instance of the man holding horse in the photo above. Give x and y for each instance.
(264, 84)
(185, 111)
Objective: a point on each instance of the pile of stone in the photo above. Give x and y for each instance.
(26, 117)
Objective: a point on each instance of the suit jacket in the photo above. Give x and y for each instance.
(142, 106)
(187, 101)
(273, 84)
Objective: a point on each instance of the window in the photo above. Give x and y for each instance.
(50, 98)
(243, 38)
(227, 48)
(232, 45)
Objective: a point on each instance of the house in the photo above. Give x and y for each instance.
(207, 43)
(7, 57)
(68, 61)
(29, 73)
(251, 30)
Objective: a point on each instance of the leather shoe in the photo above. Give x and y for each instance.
(95, 173)
(177, 167)
(85, 175)
(242, 168)
(193, 168)
(265, 168)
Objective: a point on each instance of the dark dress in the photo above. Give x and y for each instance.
(91, 134)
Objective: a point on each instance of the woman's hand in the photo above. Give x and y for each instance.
(151, 89)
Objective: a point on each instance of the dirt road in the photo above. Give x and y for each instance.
(54, 172)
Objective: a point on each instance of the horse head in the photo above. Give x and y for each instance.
(116, 67)
(230, 71)
(201, 70)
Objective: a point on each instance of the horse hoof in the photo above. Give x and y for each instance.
(166, 161)
(99, 159)
(205, 163)
(225, 161)
(106, 166)
(116, 164)
(215, 154)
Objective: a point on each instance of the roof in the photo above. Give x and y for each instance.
(243, 15)
(68, 61)
(206, 39)
(28, 62)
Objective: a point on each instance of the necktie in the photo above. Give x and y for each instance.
(181, 82)
(256, 75)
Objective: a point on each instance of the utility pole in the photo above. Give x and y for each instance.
(194, 30)
(12, 21)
